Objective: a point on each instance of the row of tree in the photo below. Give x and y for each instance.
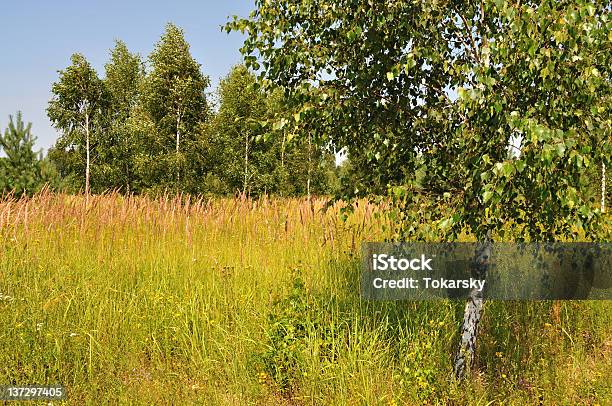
(151, 125)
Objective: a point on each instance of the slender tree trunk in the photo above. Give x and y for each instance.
(603, 187)
(178, 141)
(309, 166)
(246, 163)
(284, 183)
(178, 129)
(283, 152)
(473, 312)
(127, 177)
(87, 154)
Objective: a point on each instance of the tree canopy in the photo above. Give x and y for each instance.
(502, 103)
(149, 127)
(77, 110)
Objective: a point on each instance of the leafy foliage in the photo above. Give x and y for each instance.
(174, 97)
(453, 85)
(119, 147)
(295, 323)
(254, 157)
(156, 130)
(287, 332)
(77, 110)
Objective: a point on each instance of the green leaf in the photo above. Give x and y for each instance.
(507, 169)
(410, 63)
(560, 148)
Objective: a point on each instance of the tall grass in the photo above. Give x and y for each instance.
(135, 300)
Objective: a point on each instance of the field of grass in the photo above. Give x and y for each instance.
(175, 301)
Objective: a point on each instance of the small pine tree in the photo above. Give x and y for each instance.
(20, 169)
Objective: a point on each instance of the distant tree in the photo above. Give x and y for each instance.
(77, 110)
(119, 146)
(238, 133)
(308, 169)
(174, 97)
(20, 170)
(257, 157)
(148, 170)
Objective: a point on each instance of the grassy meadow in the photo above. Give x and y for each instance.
(134, 300)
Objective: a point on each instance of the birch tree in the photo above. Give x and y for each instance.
(174, 96)
(451, 85)
(76, 109)
(241, 108)
(124, 74)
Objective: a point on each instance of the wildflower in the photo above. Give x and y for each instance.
(504, 376)
(499, 354)
(547, 325)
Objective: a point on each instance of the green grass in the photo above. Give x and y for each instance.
(140, 301)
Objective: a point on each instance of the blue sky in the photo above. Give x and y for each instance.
(38, 37)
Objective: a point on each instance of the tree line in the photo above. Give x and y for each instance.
(152, 125)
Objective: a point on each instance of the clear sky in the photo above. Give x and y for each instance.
(37, 38)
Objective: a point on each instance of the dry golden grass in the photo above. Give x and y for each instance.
(174, 300)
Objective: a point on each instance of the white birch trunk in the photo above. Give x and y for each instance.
(603, 187)
(87, 154)
(246, 164)
(309, 166)
(283, 151)
(178, 130)
(473, 312)
(178, 142)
